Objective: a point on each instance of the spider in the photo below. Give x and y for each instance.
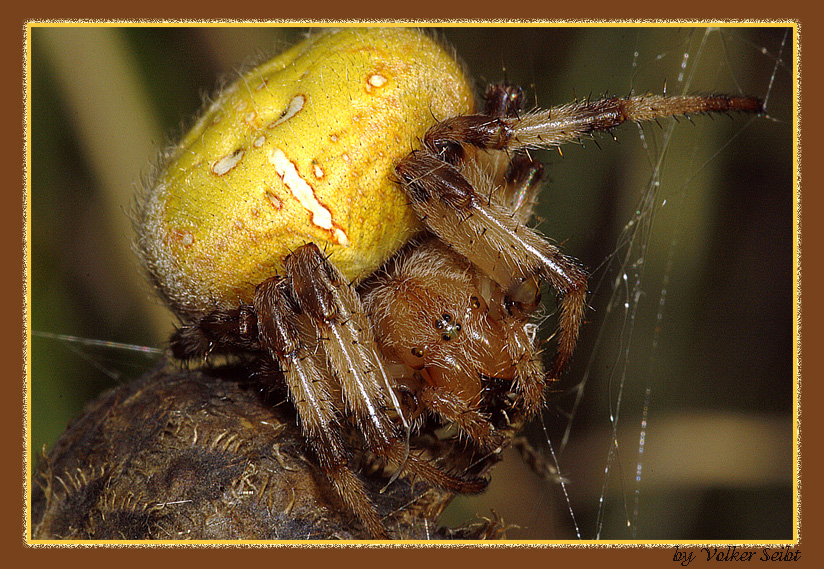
(345, 216)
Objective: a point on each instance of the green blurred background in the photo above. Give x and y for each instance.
(716, 369)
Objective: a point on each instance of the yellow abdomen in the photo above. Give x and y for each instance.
(301, 149)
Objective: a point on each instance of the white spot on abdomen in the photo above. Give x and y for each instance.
(285, 168)
(274, 200)
(377, 80)
(226, 163)
(341, 237)
(295, 105)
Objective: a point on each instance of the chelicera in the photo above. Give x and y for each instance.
(443, 332)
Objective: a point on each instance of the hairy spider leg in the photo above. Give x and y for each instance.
(519, 176)
(280, 334)
(345, 335)
(570, 122)
(517, 190)
(218, 332)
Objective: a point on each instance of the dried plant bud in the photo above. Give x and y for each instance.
(201, 455)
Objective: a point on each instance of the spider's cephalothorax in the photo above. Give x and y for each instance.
(313, 153)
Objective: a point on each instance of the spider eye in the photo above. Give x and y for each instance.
(417, 352)
(474, 302)
(443, 321)
(451, 332)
